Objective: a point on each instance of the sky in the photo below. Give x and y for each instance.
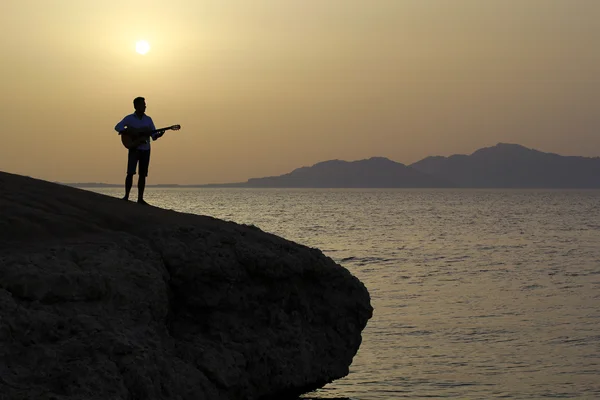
(261, 87)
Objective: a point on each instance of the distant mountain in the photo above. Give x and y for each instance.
(513, 166)
(375, 172)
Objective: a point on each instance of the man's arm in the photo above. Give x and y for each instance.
(152, 127)
(120, 127)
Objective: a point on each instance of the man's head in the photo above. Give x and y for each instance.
(139, 103)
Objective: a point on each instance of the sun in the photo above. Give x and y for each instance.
(142, 47)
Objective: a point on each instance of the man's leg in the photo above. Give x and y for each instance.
(128, 184)
(141, 187)
(132, 160)
(144, 157)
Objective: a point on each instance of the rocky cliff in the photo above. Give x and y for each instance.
(106, 299)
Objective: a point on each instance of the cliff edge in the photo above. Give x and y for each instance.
(106, 299)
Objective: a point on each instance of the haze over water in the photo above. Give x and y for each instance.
(477, 293)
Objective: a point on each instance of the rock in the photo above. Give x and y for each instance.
(106, 299)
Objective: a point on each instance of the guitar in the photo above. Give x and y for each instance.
(133, 137)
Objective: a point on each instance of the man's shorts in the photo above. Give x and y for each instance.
(135, 156)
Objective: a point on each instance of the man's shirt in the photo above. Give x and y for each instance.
(133, 121)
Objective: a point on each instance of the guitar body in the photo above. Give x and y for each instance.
(132, 137)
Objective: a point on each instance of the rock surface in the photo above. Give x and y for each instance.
(106, 299)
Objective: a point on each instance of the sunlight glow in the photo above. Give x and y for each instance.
(142, 47)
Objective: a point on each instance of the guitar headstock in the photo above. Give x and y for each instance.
(175, 127)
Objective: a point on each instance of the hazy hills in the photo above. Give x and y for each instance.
(376, 172)
(513, 166)
(500, 166)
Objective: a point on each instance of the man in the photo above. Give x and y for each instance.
(138, 121)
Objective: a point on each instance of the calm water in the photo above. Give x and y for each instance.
(477, 293)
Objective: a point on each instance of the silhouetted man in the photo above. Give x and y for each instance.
(138, 121)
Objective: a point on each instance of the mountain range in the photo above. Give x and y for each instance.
(501, 166)
(513, 166)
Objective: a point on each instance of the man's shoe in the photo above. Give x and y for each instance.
(125, 198)
(141, 201)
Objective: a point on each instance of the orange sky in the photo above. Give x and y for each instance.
(265, 86)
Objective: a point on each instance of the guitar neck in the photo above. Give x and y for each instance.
(161, 130)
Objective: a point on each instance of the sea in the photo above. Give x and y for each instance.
(477, 294)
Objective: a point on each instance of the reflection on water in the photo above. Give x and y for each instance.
(477, 293)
